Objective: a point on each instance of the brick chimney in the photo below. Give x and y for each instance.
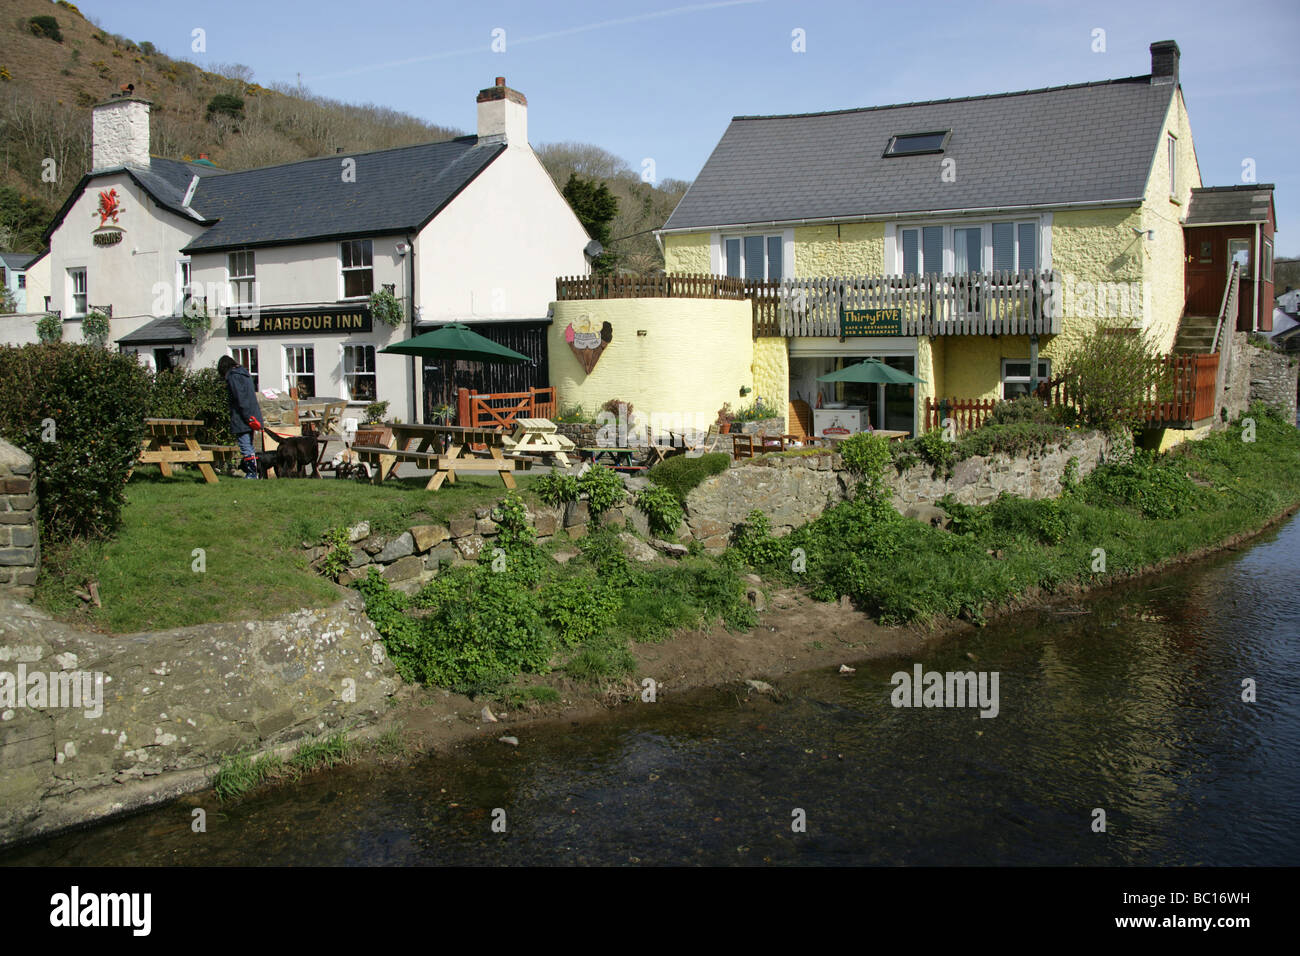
(120, 133)
(1164, 62)
(503, 115)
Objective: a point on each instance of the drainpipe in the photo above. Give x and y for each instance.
(1033, 364)
(410, 311)
(1254, 318)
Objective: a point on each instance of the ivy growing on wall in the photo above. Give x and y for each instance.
(385, 308)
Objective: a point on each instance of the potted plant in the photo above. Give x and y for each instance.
(725, 418)
(372, 430)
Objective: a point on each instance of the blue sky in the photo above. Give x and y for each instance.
(660, 79)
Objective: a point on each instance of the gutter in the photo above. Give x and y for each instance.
(892, 216)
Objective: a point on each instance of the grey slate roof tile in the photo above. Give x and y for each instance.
(1084, 143)
(1221, 204)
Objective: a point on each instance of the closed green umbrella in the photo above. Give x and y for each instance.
(872, 372)
(456, 341)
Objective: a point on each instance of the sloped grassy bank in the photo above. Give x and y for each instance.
(474, 629)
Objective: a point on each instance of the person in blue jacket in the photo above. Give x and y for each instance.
(245, 412)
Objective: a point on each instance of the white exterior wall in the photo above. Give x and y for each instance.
(494, 252)
(38, 284)
(121, 275)
(311, 274)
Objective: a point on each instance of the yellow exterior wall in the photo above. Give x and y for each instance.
(696, 354)
(850, 249)
(771, 375)
(687, 252)
(1164, 214)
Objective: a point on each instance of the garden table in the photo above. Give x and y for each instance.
(174, 441)
(538, 436)
(446, 448)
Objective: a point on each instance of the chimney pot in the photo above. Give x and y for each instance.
(501, 81)
(1164, 62)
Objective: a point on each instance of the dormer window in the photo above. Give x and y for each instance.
(917, 144)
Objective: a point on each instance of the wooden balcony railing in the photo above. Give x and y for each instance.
(988, 303)
(668, 286)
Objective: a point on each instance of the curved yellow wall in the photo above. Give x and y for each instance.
(696, 354)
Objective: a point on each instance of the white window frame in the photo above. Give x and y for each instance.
(786, 236)
(1043, 363)
(351, 373)
(894, 264)
(184, 281)
(241, 280)
(291, 371)
(249, 360)
(344, 270)
(73, 273)
(1173, 166)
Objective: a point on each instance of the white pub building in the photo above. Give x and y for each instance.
(284, 258)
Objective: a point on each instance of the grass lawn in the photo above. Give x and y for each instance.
(251, 533)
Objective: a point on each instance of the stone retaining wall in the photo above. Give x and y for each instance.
(20, 548)
(793, 490)
(172, 704)
(1273, 379)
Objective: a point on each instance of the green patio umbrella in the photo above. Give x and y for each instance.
(872, 372)
(456, 341)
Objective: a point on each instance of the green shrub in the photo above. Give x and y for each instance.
(556, 488)
(1042, 520)
(757, 411)
(661, 508)
(95, 402)
(936, 451)
(339, 556)
(1022, 408)
(1111, 372)
(49, 328)
(95, 329)
(865, 456)
(45, 26)
(1153, 484)
(753, 541)
(197, 394)
(965, 519)
(385, 307)
(681, 474)
(579, 607)
(603, 488)
(226, 104)
(573, 415)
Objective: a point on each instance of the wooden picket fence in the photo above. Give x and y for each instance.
(1179, 390)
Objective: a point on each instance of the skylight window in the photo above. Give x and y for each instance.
(915, 144)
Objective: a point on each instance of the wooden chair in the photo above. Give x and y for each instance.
(709, 444)
(332, 417)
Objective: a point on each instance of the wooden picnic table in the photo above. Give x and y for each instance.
(541, 437)
(620, 459)
(446, 448)
(174, 441)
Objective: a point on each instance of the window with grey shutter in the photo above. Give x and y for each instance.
(932, 247)
(733, 258)
(1004, 246)
(774, 270)
(754, 257)
(911, 248)
(1028, 247)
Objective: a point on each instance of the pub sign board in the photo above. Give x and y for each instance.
(344, 319)
(871, 322)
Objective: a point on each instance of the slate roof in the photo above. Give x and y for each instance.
(164, 331)
(18, 261)
(1085, 143)
(396, 190)
(1221, 204)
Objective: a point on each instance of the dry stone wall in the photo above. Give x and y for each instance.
(20, 548)
(92, 724)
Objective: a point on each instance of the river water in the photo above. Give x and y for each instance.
(1130, 702)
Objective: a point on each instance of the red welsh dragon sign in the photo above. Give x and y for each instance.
(109, 207)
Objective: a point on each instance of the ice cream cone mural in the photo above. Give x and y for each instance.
(586, 342)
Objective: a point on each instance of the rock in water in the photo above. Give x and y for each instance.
(846, 669)
(488, 716)
(761, 686)
(512, 741)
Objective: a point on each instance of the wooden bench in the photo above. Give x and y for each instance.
(223, 453)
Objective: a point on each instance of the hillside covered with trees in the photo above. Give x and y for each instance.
(55, 64)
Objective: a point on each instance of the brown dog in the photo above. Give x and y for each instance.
(295, 454)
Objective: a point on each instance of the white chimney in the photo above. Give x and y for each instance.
(120, 133)
(502, 115)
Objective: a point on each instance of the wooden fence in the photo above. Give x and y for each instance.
(1179, 391)
(668, 286)
(500, 409)
(978, 303)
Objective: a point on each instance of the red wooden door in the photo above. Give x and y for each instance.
(1206, 270)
